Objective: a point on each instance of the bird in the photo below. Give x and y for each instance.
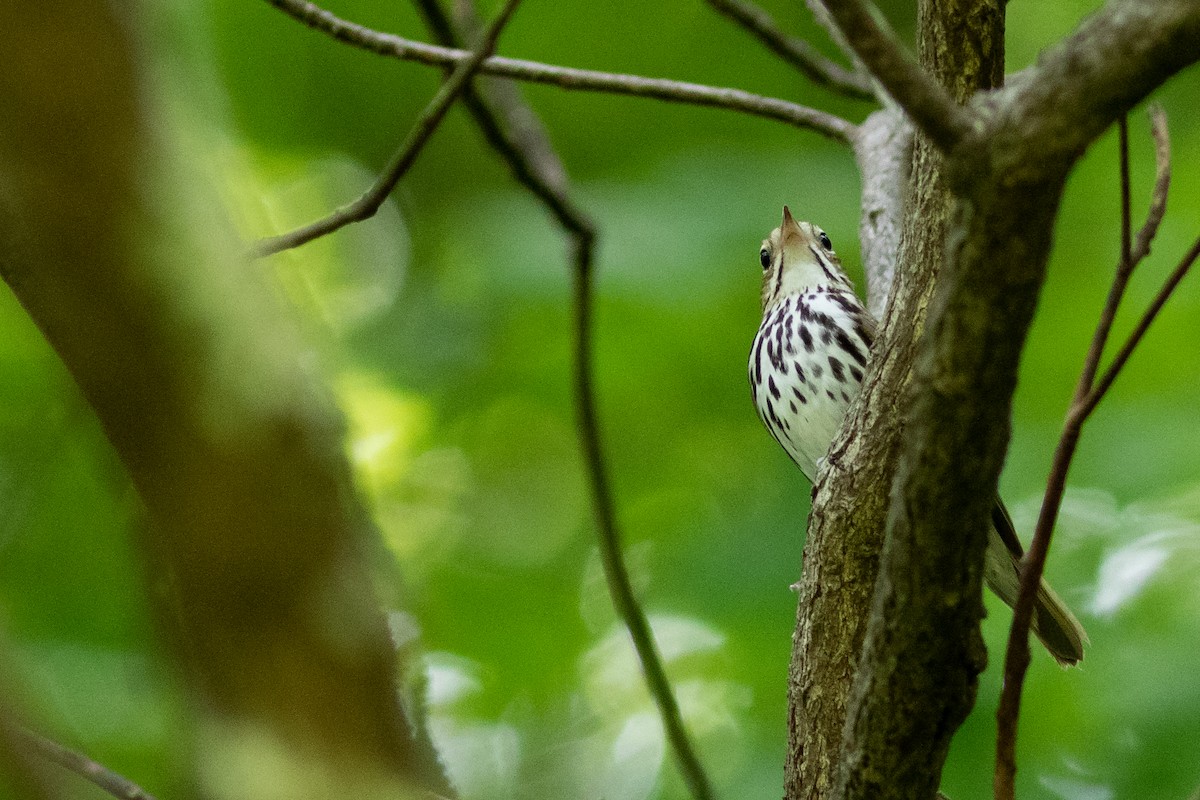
(806, 365)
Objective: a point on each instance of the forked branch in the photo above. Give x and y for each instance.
(797, 52)
(1088, 394)
(370, 202)
(924, 99)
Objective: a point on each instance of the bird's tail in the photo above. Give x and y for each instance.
(1053, 622)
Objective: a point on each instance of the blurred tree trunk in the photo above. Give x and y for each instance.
(233, 446)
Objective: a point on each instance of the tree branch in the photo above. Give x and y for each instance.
(369, 203)
(501, 115)
(828, 125)
(927, 103)
(1114, 369)
(114, 784)
(917, 673)
(853, 493)
(797, 52)
(1162, 183)
(20, 772)
(1078, 89)
(510, 126)
(821, 15)
(617, 576)
(1016, 660)
(1017, 657)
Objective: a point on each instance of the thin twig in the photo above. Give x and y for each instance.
(514, 132)
(1162, 182)
(829, 125)
(821, 15)
(926, 102)
(1088, 394)
(1125, 267)
(116, 785)
(797, 52)
(619, 584)
(1164, 294)
(511, 128)
(370, 202)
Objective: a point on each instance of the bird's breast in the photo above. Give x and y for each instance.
(806, 365)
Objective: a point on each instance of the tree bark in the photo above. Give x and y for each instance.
(922, 651)
(961, 45)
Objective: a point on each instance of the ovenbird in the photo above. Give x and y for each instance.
(806, 365)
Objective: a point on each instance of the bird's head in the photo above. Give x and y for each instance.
(798, 257)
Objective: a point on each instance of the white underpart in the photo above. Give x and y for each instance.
(806, 428)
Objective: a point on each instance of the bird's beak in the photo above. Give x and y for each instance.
(788, 226)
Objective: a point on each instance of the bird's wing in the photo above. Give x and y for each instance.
(1006, 529)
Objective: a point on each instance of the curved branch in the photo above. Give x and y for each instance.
(317, 18)
(1079, 88)
(369, 203)
(620, 586)
(797, 52)
(1162, 183)
(513, 130)
(926, 102)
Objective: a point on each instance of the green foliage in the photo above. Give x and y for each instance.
(443, 325)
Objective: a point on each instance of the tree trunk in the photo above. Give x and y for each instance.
(233, 446)
(921, 452)
(962, 45)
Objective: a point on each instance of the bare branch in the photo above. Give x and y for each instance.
(1087, 395)
(513, 130)
(1125, 267)
(1110, 375)
(1017, 655)
(20, 770)
(927, 103)
(510, 126)
(797, 52)
(828, 125)
(1162, 183)
(620, 586)
(821, 15)
(116, 785)
(366, 206)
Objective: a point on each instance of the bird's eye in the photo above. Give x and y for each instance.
(764, 257)
(828, 245)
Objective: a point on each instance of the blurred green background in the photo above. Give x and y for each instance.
(443, 324)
